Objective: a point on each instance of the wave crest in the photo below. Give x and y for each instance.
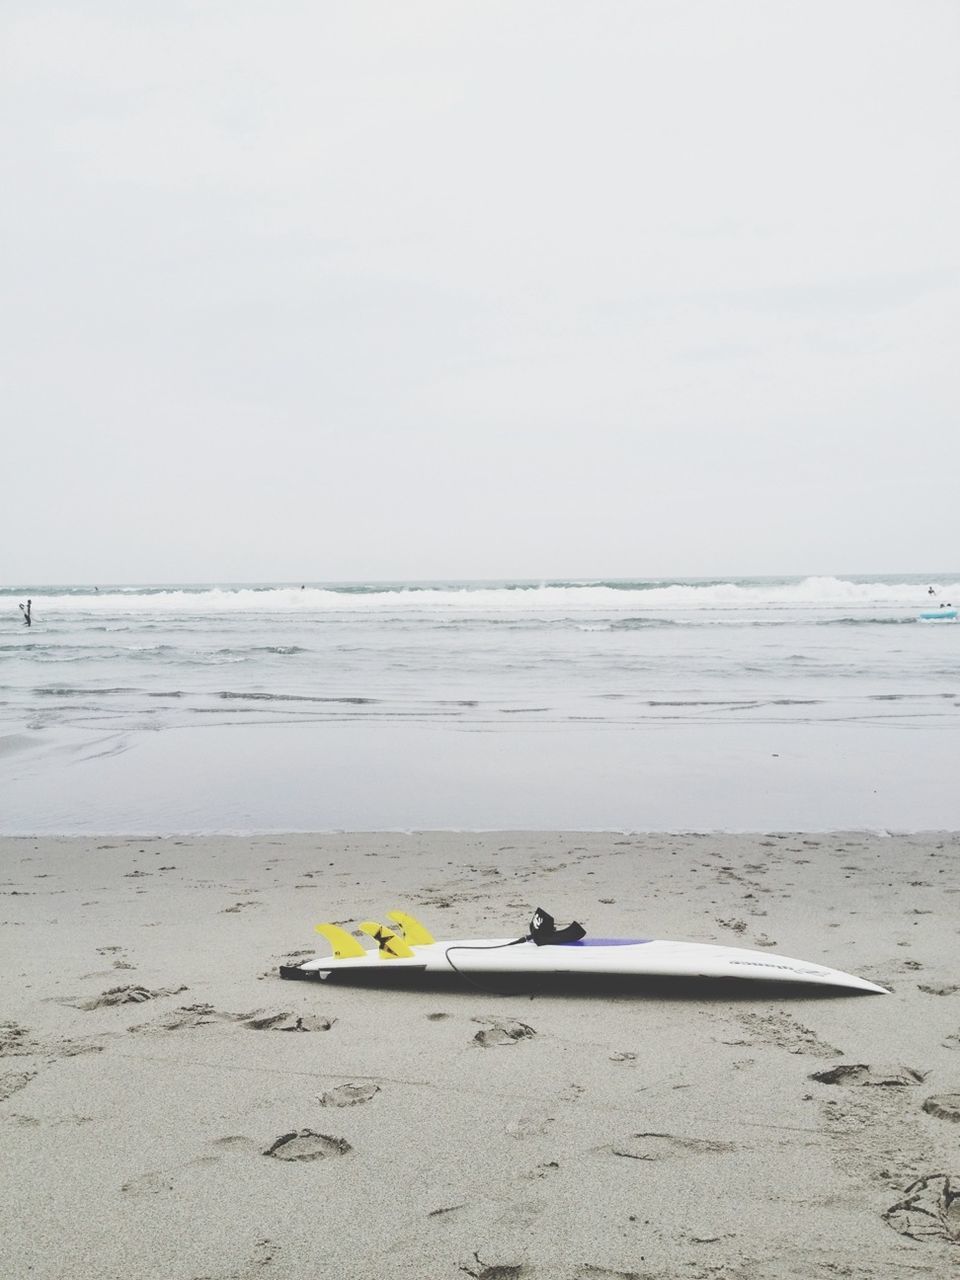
(509, 598)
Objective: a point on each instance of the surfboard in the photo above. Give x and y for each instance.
(409, 946)
(938, 615)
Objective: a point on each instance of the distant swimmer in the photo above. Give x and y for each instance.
(931, 591)
(26, 613)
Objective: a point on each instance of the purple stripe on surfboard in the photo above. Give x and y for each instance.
(603, 942)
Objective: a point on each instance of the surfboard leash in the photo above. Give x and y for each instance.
(497, 946)
(543, 931)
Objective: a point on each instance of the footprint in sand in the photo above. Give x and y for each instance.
(161, 1180)
(532, 1122)
(861, 1073)
(738, 926)
(125, 995)
(349, 1095)
(589, 1272)
(71, 1048)
(288, 1022)
(149, 1184)
(945, 1106)
(928, 1210)
(13, 1081)
(495, 1271)
(538, 1172)
(481, 1270)
(236, 1142)
(939, 988)
(501, 1033)
(661, 1146)
(304, 1144)
(15, 1040)
(189, 1016)
(782, 1030)
(264, 1252)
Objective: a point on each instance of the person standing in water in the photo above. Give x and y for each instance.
(26, 613)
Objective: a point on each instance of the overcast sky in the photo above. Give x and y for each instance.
(315, 290)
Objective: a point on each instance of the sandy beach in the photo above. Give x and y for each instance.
(155, 1066)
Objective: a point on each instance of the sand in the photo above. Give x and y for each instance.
(171, 1108)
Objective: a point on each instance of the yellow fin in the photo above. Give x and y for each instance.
(413, 930)
(344, 945)
(392, 946)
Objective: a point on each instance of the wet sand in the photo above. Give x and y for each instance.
(171, 1108)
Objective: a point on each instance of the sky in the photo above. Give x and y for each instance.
(339, 290)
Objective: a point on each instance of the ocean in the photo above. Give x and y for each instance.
(815, 703)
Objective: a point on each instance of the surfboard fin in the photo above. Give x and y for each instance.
(344, 945)
(390, 944)
(413, 931)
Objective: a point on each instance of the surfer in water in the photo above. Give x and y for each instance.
(26, 613)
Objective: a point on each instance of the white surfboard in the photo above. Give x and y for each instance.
(411, 947)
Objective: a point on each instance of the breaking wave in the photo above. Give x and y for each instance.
(614, 597)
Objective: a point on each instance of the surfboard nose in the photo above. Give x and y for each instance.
(853, 983)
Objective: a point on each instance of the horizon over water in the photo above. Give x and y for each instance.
(751, 703)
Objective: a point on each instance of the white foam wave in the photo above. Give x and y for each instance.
(561, 599)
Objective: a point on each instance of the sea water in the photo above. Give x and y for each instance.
(742, 704)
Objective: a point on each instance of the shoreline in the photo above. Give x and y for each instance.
(406, 777)
(640, 833)
(200, 836)
(525, 1136)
